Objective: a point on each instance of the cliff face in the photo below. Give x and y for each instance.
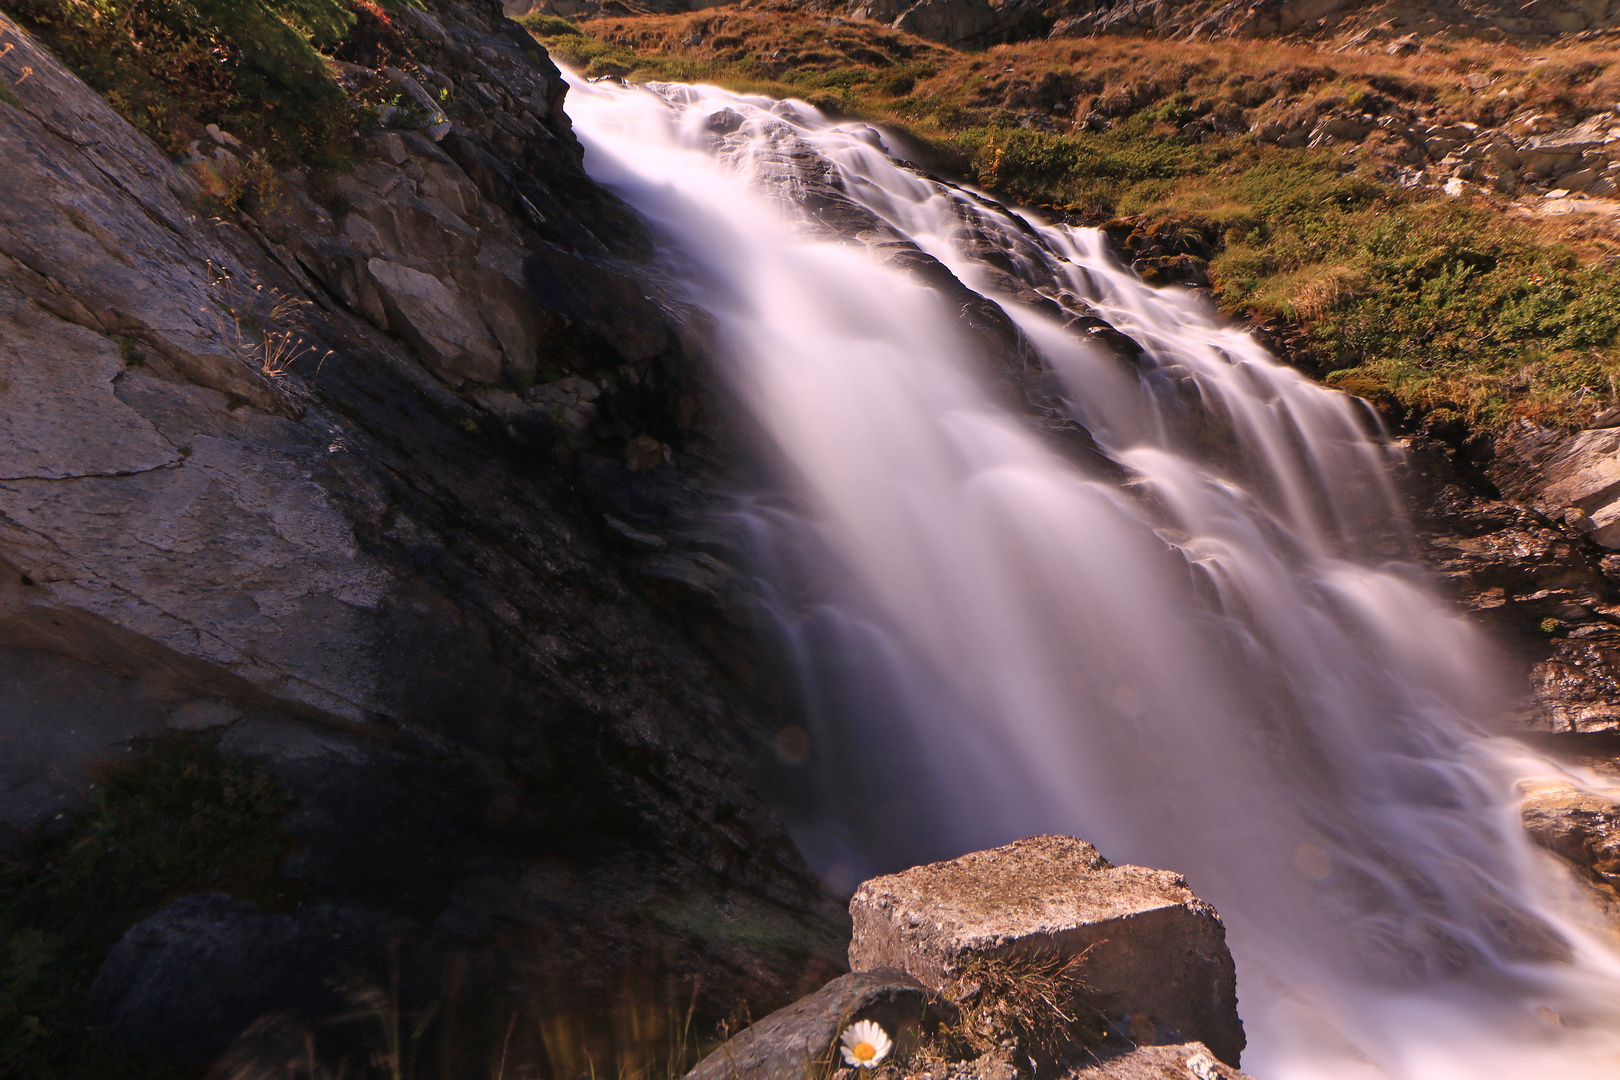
(394, 487)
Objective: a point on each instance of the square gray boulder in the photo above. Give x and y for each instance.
(1158, 953)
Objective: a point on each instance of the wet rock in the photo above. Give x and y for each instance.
(1155, 948)
(1582, 828)
(1534, 582)
(802, 1038)
(1577, 687)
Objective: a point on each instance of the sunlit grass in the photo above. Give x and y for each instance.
(1422, 303)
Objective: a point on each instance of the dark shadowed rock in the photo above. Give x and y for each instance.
(952, 22)
(799, 1041)
(184, 983)
(1154, 948)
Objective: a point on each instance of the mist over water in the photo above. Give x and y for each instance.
(1217, 660)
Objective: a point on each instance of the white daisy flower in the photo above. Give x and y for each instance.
(865, 1044)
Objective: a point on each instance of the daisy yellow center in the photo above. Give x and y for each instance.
(865, 1051)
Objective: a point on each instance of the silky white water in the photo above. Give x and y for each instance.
(1219, 666)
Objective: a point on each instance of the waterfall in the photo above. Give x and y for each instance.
(1149, 590)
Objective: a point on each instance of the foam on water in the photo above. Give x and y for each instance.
(1223, 665)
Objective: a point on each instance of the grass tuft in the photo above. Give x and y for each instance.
(1041, 999)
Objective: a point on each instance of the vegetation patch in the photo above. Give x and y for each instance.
(254, 67)
(173, 818)
(1450, 309)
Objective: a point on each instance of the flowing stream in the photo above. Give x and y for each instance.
(1202, 649)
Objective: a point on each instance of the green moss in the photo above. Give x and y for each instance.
(8, 96)
(173, 818)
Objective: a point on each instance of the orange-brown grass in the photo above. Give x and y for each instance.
(1426, 304)
(1482, 82)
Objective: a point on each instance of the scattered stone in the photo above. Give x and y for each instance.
(1151, 946)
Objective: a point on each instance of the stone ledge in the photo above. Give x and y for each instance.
(1155, 949)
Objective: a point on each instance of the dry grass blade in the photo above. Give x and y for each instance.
(1040, 998)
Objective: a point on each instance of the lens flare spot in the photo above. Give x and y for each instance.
(793, 745)
(1313, 862)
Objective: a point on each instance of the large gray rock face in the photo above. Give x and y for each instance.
(273, 477)
(1154, 948)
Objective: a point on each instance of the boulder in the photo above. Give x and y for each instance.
(184, 983)
(439, 321)
(799, 1041)
(1152, 947)
(951, 22)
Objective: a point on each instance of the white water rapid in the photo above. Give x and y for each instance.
(1210, 657)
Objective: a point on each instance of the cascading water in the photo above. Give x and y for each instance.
(1206, 655)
